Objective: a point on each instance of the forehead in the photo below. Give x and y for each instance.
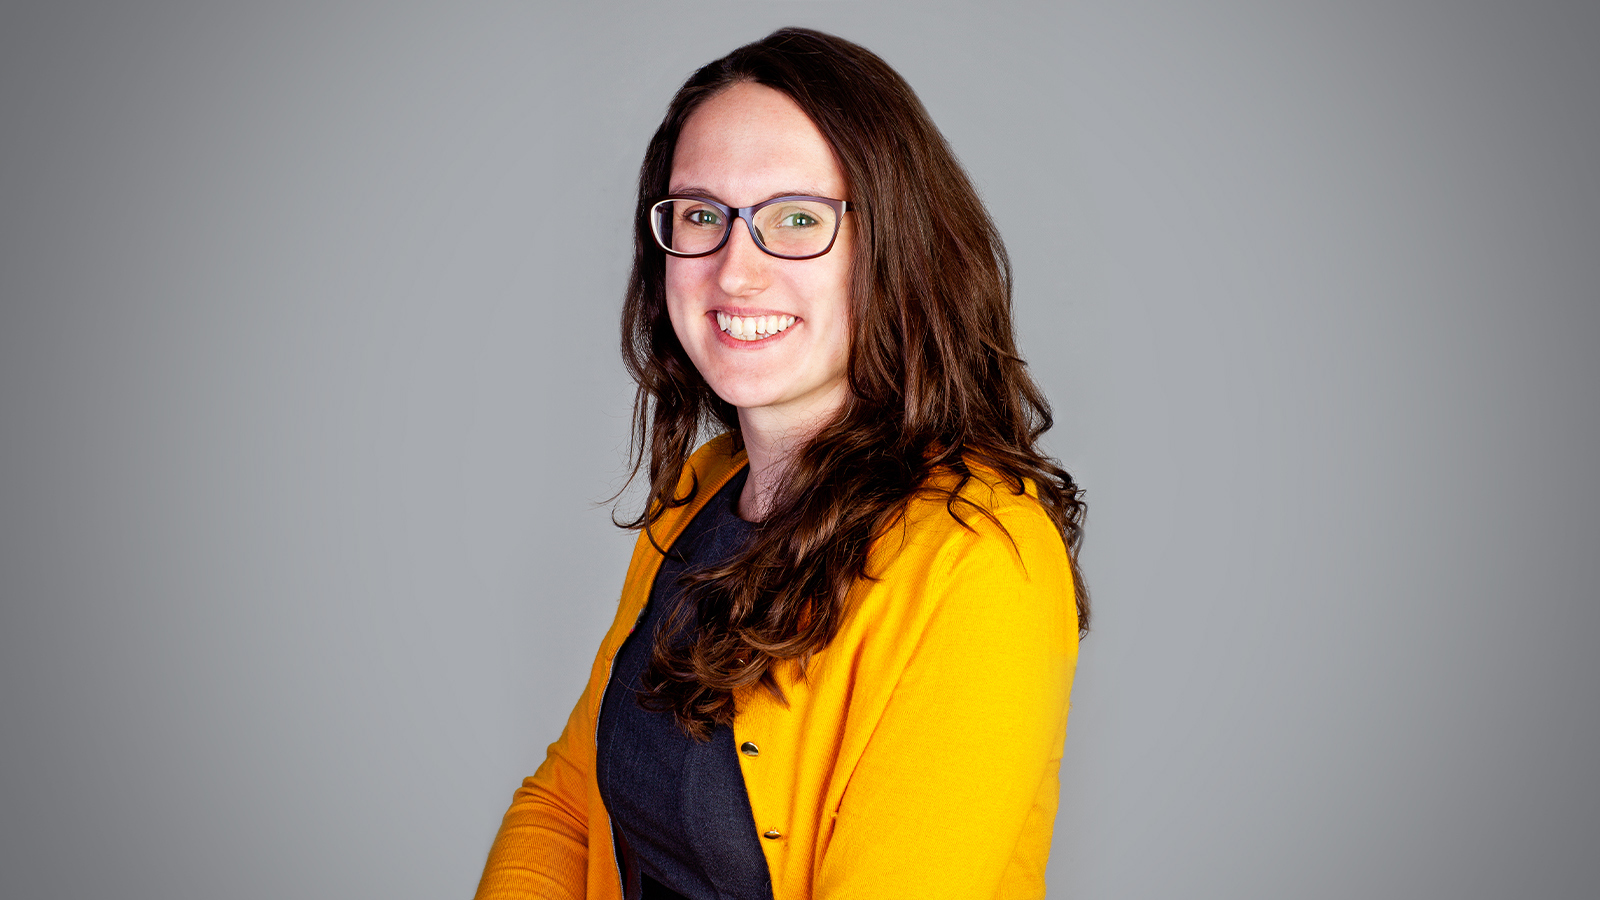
(751, 143)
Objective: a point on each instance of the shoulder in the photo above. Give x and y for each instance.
(983, 512)
(974, 578)
(985, 547)
(714, 461)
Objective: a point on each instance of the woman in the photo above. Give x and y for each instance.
(845, 645)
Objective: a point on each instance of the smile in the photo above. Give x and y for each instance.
(752, 328)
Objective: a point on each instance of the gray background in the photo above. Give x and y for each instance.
(309, 397)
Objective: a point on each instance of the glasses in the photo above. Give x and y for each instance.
(785, 227)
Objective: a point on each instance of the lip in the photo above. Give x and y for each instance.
(728, 340)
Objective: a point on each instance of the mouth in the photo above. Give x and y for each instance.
(753, 328)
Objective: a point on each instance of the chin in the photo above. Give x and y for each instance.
(745, 396)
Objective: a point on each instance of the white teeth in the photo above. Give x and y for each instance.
(752, 328)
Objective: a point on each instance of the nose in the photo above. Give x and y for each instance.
(743, 265)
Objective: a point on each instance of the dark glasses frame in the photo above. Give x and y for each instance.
(747, 213)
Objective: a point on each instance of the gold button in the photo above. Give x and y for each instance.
(772, 835)
(749, 749)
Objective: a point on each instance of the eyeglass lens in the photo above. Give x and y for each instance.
(785, 228)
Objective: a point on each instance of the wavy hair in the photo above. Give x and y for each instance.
(936, 384)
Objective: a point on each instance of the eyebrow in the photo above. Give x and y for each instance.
(694, 190)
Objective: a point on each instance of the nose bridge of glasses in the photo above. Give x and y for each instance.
(748, 215)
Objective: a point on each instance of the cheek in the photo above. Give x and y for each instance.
(835, 288)
(677, 294)
(838, 277)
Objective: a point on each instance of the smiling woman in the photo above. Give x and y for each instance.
(842, 660)
(750, 144)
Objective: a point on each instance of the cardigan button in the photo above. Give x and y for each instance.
(772, 835)
(749, 749)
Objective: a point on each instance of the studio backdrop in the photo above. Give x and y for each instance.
(311, 410)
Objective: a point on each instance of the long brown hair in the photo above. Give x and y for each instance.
(936, 384)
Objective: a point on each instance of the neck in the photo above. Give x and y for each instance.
(771, 441)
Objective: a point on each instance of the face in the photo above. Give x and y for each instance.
(748, 144)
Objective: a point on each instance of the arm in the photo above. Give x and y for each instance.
(955, 793)
(542, 847)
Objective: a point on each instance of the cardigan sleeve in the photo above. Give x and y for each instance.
(955, 793)
(543, 847)
(541, 850)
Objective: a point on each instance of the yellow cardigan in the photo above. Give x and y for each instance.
(918, 757)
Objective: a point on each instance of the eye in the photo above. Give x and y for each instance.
(797, 220)
(703, 216)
